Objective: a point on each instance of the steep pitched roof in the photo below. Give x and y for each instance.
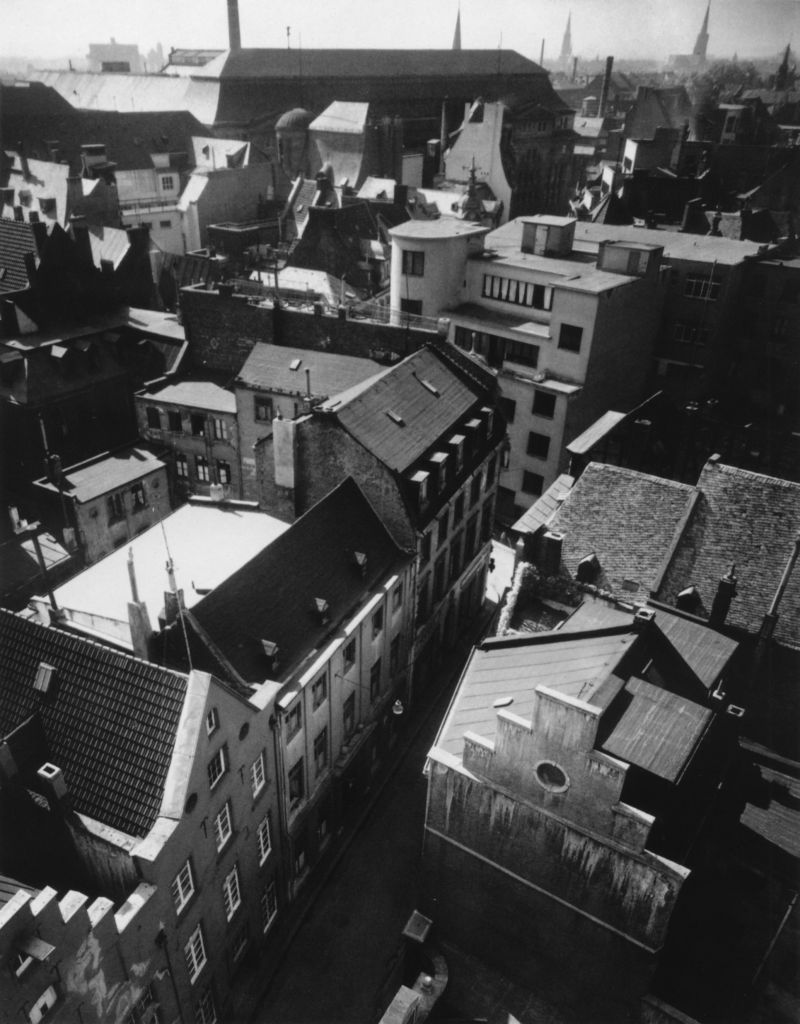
(17, 240)
(628, 520)
(272, 597)
(749, 520)
(401, 413)
(272, 367)
(110, 725)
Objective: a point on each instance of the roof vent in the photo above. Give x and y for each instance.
(429, 386)
(45, 678)
(396, 418)
(643, 617)
(588, 569)
(323, 609)
(361, 561)
(295, 364)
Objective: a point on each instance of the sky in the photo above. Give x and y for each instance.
(50, 29)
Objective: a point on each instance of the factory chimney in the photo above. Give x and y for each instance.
(234, 33)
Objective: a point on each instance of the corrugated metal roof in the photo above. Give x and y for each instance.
(658, 731)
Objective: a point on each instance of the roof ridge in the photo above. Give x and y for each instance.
(738, 471)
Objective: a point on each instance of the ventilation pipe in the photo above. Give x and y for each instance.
(606, 87)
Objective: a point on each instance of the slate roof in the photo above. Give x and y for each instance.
(401, 390)
(629, 520)
(269, 367)
(749, 520)
(16, 241)
(658, 731)
(272, 596)
(110, 727)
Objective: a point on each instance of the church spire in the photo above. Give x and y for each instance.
(457, 35)
(701, 44)
(566, 45)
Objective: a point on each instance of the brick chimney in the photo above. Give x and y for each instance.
(601, 110)
(726, 591)
(234, 33)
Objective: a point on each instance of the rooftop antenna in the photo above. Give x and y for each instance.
(288, 37)
(173, 584)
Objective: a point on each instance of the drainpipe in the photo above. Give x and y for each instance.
(771, 618)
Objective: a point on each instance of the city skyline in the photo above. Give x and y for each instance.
(628, 29)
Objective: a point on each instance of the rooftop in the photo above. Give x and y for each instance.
(105, 473)
(196, 394)
(342, 117)
(434, 230)
(96, 600)
(283, 369)
(677, 245)
(109, 725)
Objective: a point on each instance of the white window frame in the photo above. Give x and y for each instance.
(217, 767)
(319, 684)
(223, 826)
(231, 893)
(212, 721)
(269, 906)
(195, 953)
(321, 751)
(46, 1001)
(182, 887)
(264, 839)
(206, 1008)
(258, 774)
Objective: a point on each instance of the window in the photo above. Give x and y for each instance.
(319, 691)
(165, 223)
(294, 719)
(138, 495)
(116, 507)
(153, 418)
(394, 656)
(297, 783)
(439, 578)
(198, 424)
(219, 429)
(532, 483)
(377, 623)
(508, 407)
(264, 840)
(470, 536)
(258, 777)
(522, 352)
(263, 409)
(413, 306)
(195, 953)
(167, 182)
(538, 445)
(223, 471)
(212, 721)
(690, 334)
(174, 421)
(223, 826)
(349, 716)
(46, 1000)
(475, 488)
(299, 855)
(239, 945)
(697, 287)
(444, 523)
(422, 601)
(570, 337)
(140, 1012)
(521, 293)
(397, 597)
(182, 887)
(375, 680)
(455, 558)
(425, 548)
(490, 470)
(206, 1010)
(321, 751)
(269, 906)
(413, 263)
(231, 893)
(201, 468)
(217, 766)
(349, 654)
(544, 404)
(181, 466)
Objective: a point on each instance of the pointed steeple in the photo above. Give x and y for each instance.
(566, 45)
(782, 76)
(701, 44)
(457, 34)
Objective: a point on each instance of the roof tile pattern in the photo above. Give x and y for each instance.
(110, 726)
(17, 240)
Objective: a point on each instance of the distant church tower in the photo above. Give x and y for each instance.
(701, 45)
(566, 46)
(457, 35)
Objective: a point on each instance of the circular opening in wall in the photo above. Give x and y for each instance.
(551, 777)
(245, 729)
(190, 803)
(503, 702)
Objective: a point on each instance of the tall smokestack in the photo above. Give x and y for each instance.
(606, 87)
(234, 33)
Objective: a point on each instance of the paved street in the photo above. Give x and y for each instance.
(336, 968)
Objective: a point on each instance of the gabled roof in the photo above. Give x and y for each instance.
(283, 369)
(110, 725)
(421, 391)
(195, 394)
(750, 521)
(272, 597)
(629, 520)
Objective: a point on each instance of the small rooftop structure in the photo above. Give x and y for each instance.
(105, 473)
(195, 394)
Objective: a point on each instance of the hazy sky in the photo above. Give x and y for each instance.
(624, 28)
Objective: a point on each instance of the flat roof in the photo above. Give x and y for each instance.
(101, 593)
(444, 227)
(199, 394)
(677, 245)
(106, 473)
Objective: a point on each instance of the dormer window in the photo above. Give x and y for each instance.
(457, 444)
(439, 462)
(272, 651)
(323, 610)
(420, 482)
(45, 678)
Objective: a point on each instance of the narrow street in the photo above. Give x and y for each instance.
(336, 968)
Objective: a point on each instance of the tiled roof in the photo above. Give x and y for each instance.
(269, 367)
(195, 394)
(107, 473)
(629, 520)
(345, 64)
(750, 521)
(272, 596)
(16, 241)
(421, 391)
(110, 727)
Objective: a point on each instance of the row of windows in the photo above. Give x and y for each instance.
(451, 516)
(115, 503)
(202, 468)
(450, 564)
(691, 334)
(521, 293)
(199, 423)
(698, 287)
(544, 405)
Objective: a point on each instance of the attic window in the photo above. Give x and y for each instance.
(295, 364)
(323, 609)
(44, 677)
(396, 418)
(688, 599)
(361, 561)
